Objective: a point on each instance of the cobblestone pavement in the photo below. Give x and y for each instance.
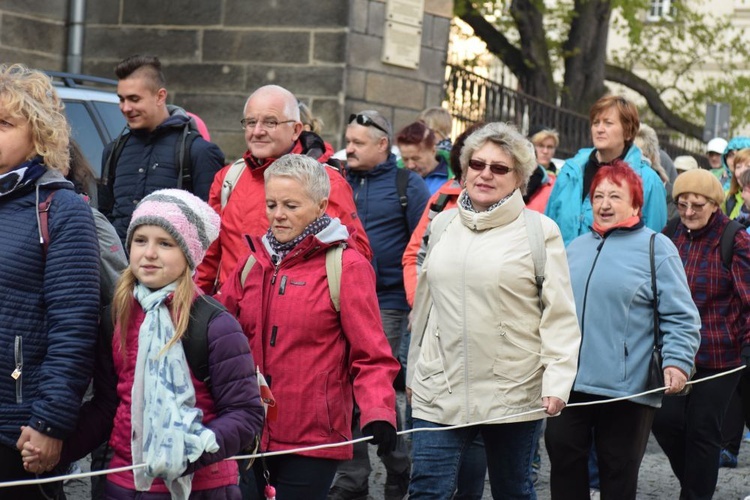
(656, 480)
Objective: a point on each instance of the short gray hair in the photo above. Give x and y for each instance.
(374, 132)
(509, 140)
(304, 169)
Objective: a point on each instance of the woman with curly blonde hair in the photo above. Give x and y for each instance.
(49, 280)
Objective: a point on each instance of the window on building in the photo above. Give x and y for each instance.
(660, 9)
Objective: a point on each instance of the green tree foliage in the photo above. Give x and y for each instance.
(540, 40)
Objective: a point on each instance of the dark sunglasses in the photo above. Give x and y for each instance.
(366, 121)
(479, 166)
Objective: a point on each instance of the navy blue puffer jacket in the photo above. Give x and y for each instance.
(148, 163)
(49, 310)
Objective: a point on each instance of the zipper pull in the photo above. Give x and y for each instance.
(282, 286)
(16, 373)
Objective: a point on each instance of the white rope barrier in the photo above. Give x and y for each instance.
(82, 475)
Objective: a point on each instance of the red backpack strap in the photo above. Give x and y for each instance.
(43, 210)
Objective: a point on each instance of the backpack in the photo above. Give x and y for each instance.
(112, 258)
(726, 243)
(183, 160)
(534, 232)
(195, 340)
(334, 259)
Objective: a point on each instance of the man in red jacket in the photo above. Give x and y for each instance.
(272, 126)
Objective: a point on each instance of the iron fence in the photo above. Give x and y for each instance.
(472, 98)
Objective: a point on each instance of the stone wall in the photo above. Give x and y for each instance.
(327, 52)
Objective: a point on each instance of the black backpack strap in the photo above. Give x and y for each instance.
(195, 340)
(402, 183)
(183, 158)
(107, 180)
(440, 203)
(726, 243)
(671, 227)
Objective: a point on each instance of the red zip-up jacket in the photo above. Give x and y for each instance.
(315, 359)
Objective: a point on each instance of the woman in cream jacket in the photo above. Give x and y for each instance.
(486, 343)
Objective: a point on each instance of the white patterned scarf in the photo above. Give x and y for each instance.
(167, 430)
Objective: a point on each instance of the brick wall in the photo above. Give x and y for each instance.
(327, 52)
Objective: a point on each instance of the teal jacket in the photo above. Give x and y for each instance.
(573, 214)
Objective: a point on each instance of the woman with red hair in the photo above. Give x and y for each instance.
(610, 272)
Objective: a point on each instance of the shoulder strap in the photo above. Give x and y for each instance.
(438, 226)
(334, 259)
(654, 292)
(43, 210)
(230, 180)
(671, 227)
(246, 269)
(183, 159)
(195, 340)
(402, 183)
(108, 174)
(334, 264)
(535, 234)
(726, 243)
(730, 204)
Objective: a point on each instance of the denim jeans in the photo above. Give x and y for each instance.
(437, 457)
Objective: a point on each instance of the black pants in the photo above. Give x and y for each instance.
(621, 431)
(11, 469)
(688, 429)
(296, 477)
(737, 416)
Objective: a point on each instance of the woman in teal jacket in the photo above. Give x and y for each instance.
(611, 277)
(614, 124)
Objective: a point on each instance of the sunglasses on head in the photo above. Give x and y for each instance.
(479, 166)
(366, 121)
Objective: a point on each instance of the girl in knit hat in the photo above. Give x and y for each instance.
(181, 427)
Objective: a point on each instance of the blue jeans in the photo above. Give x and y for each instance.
(437, 455)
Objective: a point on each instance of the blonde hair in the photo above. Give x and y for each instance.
(307, 118)
(28, 94)
(648, 142)
(545, 134)
(122, 303)
(438, 120)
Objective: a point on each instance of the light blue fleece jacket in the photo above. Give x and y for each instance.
(573, 214)
(611, 279)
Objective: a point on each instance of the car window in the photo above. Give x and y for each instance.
(112, 117)
(85, 133)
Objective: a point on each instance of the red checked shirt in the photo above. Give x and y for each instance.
(721, 295)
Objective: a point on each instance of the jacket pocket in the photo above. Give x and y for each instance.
(331, 412)
(518, 382)
(429, 378)
(18, 371)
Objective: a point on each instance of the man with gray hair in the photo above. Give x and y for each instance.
(272, 127)
(390, 202)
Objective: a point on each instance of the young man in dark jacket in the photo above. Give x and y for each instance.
(156, 151)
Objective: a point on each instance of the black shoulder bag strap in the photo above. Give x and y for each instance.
(654, 291)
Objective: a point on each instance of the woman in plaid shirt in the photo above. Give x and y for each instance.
(689, 428)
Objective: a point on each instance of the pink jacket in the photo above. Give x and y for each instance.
(233, 411)
(315, 359)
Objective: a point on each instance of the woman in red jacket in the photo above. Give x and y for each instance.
(316, 357)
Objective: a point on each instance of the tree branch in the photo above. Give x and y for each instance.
(634, 82)
(496, 42)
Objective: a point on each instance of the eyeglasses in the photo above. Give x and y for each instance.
(697, 208)
(479, 166)
(251, 123)
(366, 121)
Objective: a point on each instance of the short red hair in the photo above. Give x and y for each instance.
(619, 173)
(625, 109)
(417, 134)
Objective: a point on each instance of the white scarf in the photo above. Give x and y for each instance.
(167, 430)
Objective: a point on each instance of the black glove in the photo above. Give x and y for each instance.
(383, 434)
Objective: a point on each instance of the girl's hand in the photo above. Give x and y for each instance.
(31, 456)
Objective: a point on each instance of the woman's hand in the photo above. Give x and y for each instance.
(552, 405)
(675, 379)
(46, 448)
